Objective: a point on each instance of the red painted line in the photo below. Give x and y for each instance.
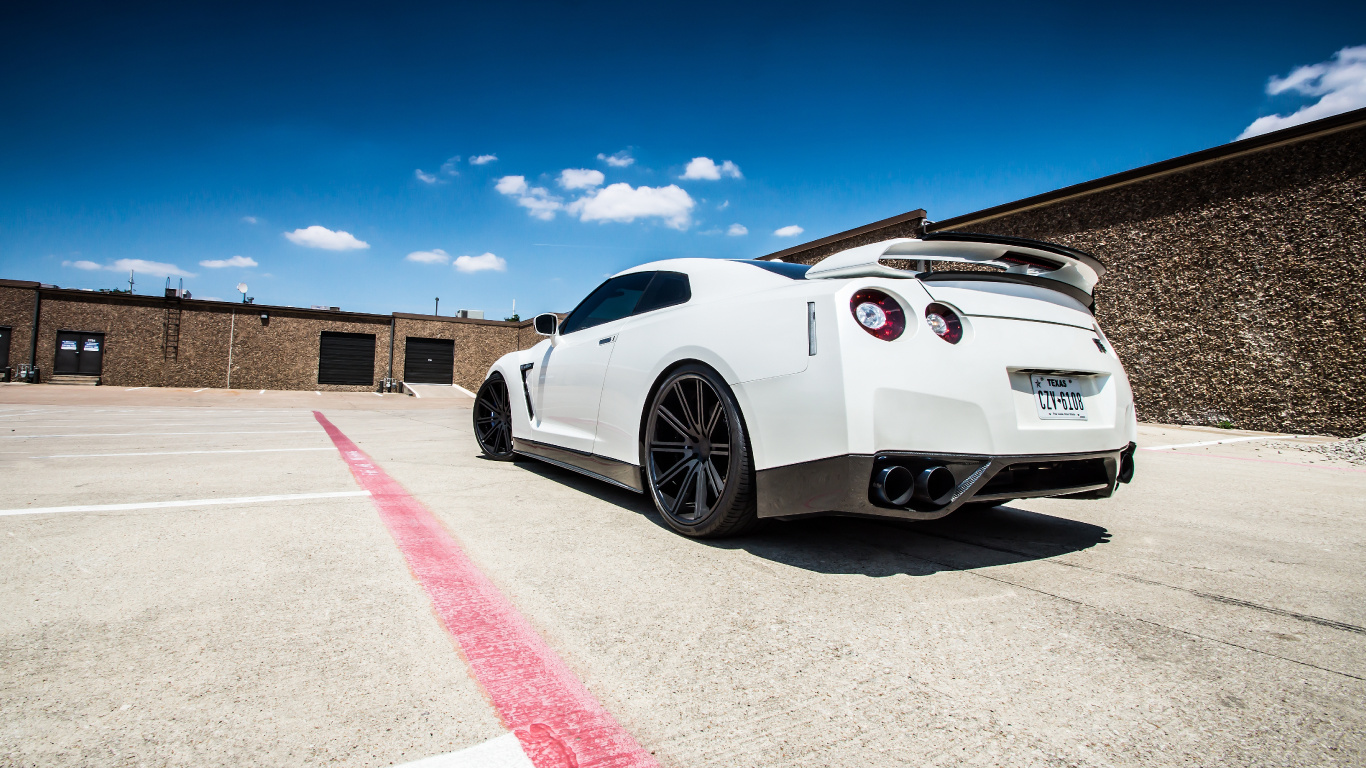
(1265, 461)
(558, 722)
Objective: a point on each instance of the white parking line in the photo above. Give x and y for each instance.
(183, 503)
(502, 752)
(1221, 442)
(164, 434)
(262, 392)
(177, 453)
(197, 391)
(160, 424)
(462, 389)
(130, 389)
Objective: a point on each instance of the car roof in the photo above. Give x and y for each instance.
(762, 272)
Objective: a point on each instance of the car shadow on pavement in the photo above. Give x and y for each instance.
(962, 541)
(968, 539)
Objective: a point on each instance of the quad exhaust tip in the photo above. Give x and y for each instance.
(897, 486)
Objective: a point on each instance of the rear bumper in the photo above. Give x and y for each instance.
(844, 484)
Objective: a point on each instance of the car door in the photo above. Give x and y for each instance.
(569, 375)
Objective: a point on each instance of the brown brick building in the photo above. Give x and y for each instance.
(130, 340)
(1235, 277)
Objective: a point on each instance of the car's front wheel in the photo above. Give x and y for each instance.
(493, 419)
(698, 469)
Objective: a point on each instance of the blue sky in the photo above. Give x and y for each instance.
(239, 142)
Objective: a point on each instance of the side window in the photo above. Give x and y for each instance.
(666, 290)
(612, 300)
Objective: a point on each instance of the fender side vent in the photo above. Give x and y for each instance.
(526, 390)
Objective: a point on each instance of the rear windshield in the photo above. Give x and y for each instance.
(790, 271)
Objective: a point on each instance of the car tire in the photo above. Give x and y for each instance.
(696, 446)
(493, 419)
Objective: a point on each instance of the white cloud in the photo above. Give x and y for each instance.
(483, 263)
(706, 168)
(723, 206)
(322, 237)
(618, 160)
(737, 230)
(249, 219)
(142, 266)
(581, 178)
(154, 268)
(1339, 84)
(538, 201)
(620, 202)
(482, 159)
(434, 256)
(235, 261)
(788, 231)
(428, 178)
(511, 185)
(449, 167)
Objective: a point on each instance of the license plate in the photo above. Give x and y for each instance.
(1058, 397)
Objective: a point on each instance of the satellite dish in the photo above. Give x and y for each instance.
(242, 287)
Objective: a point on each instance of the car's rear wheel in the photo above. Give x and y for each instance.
(493, 419)
(698, 469)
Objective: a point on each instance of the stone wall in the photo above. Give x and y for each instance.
(1236, 291)
(279, 352)
(478, 343)
(16, 311)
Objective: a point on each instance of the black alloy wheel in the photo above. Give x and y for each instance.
(696, 456)
(493, 419)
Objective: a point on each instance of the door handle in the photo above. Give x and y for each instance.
(607, 340)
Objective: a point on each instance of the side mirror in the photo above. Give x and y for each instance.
(546, 324)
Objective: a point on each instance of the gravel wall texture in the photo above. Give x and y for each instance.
(280, 352)
(1234, 290)
(477, 344)
(16, 312)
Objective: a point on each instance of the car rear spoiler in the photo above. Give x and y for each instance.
(1032, 262)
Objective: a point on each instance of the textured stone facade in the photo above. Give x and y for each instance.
(16, 312)
(280, 351)
(1236, 292)
(1236, 286)
(478, 343)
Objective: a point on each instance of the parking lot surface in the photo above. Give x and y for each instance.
(210, 578)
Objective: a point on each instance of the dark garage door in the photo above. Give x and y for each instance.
(346, 358)
(429, 361)
(4, 347)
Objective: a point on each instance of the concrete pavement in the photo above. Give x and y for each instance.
(1213, 612)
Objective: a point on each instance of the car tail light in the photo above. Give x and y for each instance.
(878, 314)
(944, 322)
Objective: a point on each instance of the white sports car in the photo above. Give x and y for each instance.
(732, 391)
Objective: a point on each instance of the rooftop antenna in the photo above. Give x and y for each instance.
(242, 288)
(130, 281)
(437, 311)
